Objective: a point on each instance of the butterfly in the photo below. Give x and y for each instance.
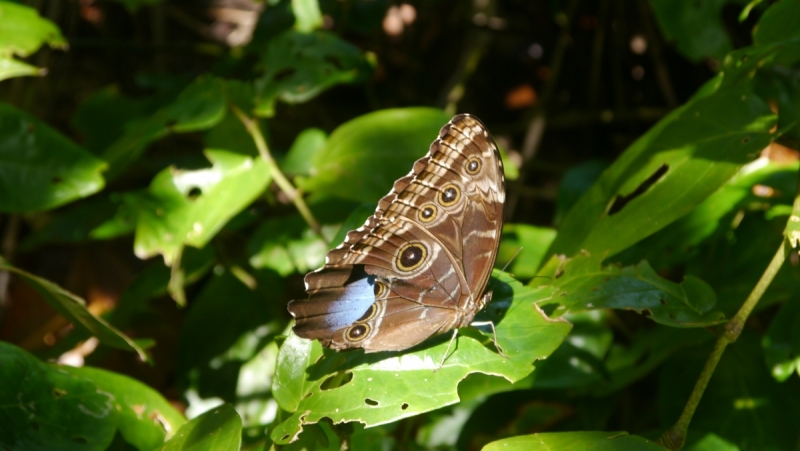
(418, 267)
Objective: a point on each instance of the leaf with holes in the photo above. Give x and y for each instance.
(22, 33)
(384, 387)
(74, 309)
(189, 207)
(299, 66)
(219, 429)
(670, 170)
(568, 441)
(40, 168)
(46, 406)
(584, 284)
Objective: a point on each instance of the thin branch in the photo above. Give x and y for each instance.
(251, 125)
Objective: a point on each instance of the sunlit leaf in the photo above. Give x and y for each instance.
(568, 441)
(384, 387)
(219, 429)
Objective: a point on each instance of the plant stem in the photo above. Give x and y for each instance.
(675, 437)
(251, 125)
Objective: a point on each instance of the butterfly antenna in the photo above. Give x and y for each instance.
(512, 259)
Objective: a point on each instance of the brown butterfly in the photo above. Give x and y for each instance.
(418, 266)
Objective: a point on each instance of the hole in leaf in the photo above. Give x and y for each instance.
(620, 201)
(57, 392)
(404, 406)
(194, 193)
(81, 440)
(283, 74)
(285, 437)
(370, 402)
(308, 395)
(337, 380)
(35, 425)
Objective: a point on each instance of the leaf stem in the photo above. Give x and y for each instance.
(251, 125)
(675, 437)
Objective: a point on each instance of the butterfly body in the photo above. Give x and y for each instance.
(419, 265)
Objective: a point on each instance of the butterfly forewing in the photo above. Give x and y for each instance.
(420, 263)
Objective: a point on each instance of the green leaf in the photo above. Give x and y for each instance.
(24, 31)
(219, 429)
(568, 441)
(695, 26)
(583, 284)
(40, 168)
(74, 309)
(384, 387)
(742, 404)
(287, 245)
(46, 406)
(372, 151)
(103, 116)
(301, 154)
(10, 68)
(711, 442)
(299, 66)
(184, 207)
(200, 106)
(670, 170)
(307, 15)
(781, 342)
(523, 247)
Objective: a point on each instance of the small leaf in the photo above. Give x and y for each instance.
(190, 207)
(24, 31)
(307, 15)
(384, 387)
(695, 26)
(74, 309)
(298, 160)
(781, 342)
(583, 284)
(298, 67)
(60, 407)
(39, 167)
(10, 68)
(569, 441)
(219, 429)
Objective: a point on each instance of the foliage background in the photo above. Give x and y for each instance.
(151, 241)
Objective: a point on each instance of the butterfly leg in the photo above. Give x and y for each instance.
(447, 351)
(494, 334)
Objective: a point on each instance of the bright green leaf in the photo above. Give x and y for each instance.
(74, 309)
(299, 66)
(298, 160)
(523, 247)
(670, 170)
(569, 441)
(219, 429)
(287, 245)
(385, 387)
(23, 31)
(40, 168)
(372, 151)
(583, 284)
(189, 207)
(46, 406)
(10, 68)
(307, 15)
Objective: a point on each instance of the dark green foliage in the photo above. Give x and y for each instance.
(234, 169)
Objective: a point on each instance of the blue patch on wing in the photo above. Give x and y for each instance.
(359, 294)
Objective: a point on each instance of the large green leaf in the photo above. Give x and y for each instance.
(200, 106)
(299, 66)
(45, 406)
(522, 248)
(189, 207)
(385, 387)
(74, 309)
(39, 167)
(569, 441)
(584, 284)
(781, 343)
(372, 151)
(219, 429)
(671, 169)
